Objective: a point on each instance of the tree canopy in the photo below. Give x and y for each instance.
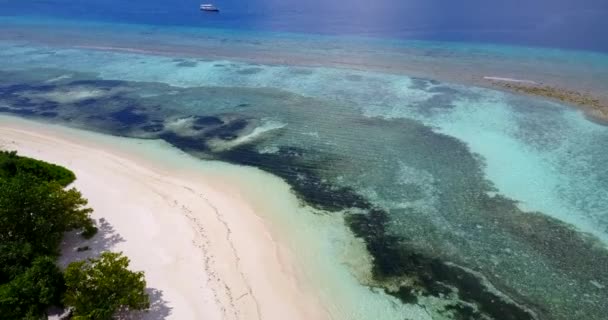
(36, 213)
(97, 288)
(11, 165)
(36, 210)
(28, 294)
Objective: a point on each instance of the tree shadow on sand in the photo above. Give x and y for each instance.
(75, 247)
(106, 238)
(158, 310)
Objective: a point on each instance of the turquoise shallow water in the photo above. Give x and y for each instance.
(519, 144)
(452, 61)
(473, 203)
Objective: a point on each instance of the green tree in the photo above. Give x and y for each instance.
(15, 258)
(11, 165)
(34, 215)
(37, 213)
(97, 288)
(28, 294)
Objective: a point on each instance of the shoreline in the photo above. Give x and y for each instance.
(205, 251)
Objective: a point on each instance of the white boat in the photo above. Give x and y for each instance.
(209, 7)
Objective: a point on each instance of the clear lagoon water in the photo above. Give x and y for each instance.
(470, 203)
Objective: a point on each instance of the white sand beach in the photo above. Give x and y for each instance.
(206, 252)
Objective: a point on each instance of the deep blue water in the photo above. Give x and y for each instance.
(577, 24)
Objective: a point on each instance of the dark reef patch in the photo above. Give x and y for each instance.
(407, 295)
(88, 102)
(98, 84)
(228, 131)
(47, 105)
(250, 70)
(394, 259)
(49, 114)
(95, 117)
(287, 163)
(187, 144)
(129, 116)
(187, 64)
(153, 127)
(18, 88)
(23, 112)
(208, 121)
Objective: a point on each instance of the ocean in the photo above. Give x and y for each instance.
(563, 23)
(470, 203)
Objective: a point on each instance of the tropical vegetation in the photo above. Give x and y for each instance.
(36, 209)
